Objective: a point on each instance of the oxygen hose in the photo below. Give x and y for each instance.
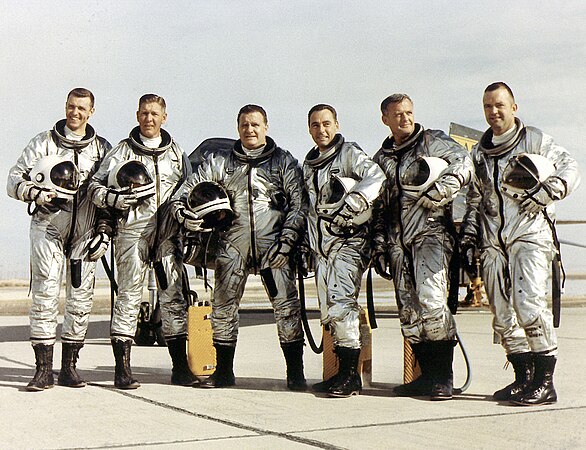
(466, 384)
(319, 349)
(308, 333)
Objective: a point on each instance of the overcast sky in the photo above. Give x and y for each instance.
(208, 58)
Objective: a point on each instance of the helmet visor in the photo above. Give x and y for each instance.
(417, 174)
(210, 202)
(523, 174)
(219, 219)
(65, 175)
(133, 175)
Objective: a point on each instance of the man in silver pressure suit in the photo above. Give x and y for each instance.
(414, 238)
(342, 182)
(520, 172)
(265, 186)
(136, 181)
(52, 174)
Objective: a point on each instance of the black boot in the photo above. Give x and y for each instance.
(324, 386)
(541, 391)
(223, 376)
(422, 385)
(43, 378)
(523, 366)
(349, 382)
(68, 375)
(123, 375)
(293, 352)
(180, 374)
(441, 359)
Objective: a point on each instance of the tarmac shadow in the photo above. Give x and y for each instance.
(276, 384)
(17, 379)
(145, 375)
(15, 333)
(262, 384)
(386, 390)
(21, 333)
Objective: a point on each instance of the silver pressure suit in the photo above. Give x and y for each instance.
(267, 196)
(419, 241)
(60, 233)
(341, 256)
(147, 235)
(517, 248)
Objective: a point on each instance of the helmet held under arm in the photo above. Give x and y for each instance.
(421, 174)
(524, 173)
(209, 201)
(132, 176)
(58, 174)
(332, 203)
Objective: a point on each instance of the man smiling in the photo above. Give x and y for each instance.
(61, 231)
(520, 173)
(338, 237)
(413, 243)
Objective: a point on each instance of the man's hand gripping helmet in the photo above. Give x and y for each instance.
(332, 203)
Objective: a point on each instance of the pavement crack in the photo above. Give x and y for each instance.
(230, 423)
(444, 419)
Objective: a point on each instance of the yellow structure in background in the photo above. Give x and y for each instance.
(468, 137)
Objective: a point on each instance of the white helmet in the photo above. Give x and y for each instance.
(210, 202)
(524, 172)
(334, 200)
(58, 174)
(132, 175)
(421, 174)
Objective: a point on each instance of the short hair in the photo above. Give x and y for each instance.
(247, 109)
(394, 98)
(498, 85)
(152, 98)
(81, 93)
(321, 107)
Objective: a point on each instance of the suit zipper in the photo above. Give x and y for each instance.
(251, 219)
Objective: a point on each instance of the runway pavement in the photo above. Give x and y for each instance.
(260, 413)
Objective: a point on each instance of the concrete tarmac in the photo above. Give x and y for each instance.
(260, 413)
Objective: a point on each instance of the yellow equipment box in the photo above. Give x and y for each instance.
(201, 354)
